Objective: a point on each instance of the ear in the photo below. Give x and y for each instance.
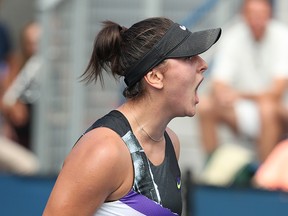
(154, 78)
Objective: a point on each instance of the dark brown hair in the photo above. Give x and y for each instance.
(116, 49)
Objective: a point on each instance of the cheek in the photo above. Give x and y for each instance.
(189, 82)
(186, 88)
(182, 82)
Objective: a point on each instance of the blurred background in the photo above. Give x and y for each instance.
(60, 107)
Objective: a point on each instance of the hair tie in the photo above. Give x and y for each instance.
(122, 29)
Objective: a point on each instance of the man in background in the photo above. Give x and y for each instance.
(16, 155)
(19, 95)
(249, 77)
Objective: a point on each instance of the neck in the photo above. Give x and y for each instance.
(149, 127)
(146, 133)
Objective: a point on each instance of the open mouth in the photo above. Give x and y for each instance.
(199, 84)
(196, 90)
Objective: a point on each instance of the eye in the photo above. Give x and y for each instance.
(188, 58)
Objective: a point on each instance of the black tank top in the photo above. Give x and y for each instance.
(159, 183)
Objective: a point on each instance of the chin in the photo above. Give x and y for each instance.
(191, 113)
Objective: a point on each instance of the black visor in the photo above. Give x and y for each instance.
(177, 42)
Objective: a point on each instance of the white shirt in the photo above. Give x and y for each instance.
(251, 66)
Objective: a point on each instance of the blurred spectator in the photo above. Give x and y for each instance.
(273, 173)
(249, 75)
(16, 159)
(5, 49)
(7, 60)
(19, 97)
(13, 157)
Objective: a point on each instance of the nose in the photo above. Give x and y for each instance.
(203, 65)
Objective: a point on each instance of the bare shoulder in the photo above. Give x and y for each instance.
(100, 151)
(94, 172)
(98, 143)
(175, 140)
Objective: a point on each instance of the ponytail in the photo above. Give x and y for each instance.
(106, 53)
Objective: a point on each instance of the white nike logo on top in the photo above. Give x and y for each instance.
(182, 27)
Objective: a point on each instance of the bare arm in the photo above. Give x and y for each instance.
(225, 95)
(94, 171)
(275, 92)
